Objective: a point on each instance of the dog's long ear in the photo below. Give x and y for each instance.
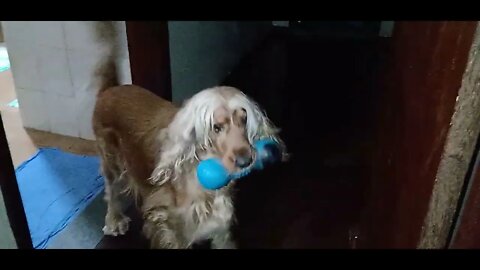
(182, 128)
(260, 126)
(178, 145)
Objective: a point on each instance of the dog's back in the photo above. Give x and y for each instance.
(126, 118)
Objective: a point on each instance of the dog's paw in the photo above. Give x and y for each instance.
(116, 226)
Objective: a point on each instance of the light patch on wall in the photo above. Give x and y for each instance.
(4, 61)
(386, 29)
(13, 103)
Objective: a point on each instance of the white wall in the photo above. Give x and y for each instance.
(202, 53)
(52, 65)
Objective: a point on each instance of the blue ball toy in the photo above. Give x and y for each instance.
(212, 175)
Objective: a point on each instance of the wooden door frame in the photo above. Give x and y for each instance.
(11, 195)
(465, 233)
(457, 158)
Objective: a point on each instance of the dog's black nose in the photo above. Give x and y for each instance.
(243, 161)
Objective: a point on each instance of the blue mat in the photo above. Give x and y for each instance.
(55, 187)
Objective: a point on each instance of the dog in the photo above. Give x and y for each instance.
(150, 149)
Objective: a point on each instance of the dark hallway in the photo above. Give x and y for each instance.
(317, 87)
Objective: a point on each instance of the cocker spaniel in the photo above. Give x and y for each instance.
(151, 148)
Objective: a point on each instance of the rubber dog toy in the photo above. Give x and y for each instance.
(212, 174)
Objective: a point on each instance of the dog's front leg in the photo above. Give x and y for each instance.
(223, 240)
(158, 230)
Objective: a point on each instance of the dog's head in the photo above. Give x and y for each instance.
(218, 122)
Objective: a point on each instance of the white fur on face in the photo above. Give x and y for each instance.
(190, 129)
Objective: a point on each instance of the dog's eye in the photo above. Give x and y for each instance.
(244, 116)
(217, 128)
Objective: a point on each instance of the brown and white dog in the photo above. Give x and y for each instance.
(151, 148)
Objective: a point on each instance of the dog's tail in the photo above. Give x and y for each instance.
(106, 71)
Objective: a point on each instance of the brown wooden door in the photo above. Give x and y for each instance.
(148, 47)
(422, 75)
